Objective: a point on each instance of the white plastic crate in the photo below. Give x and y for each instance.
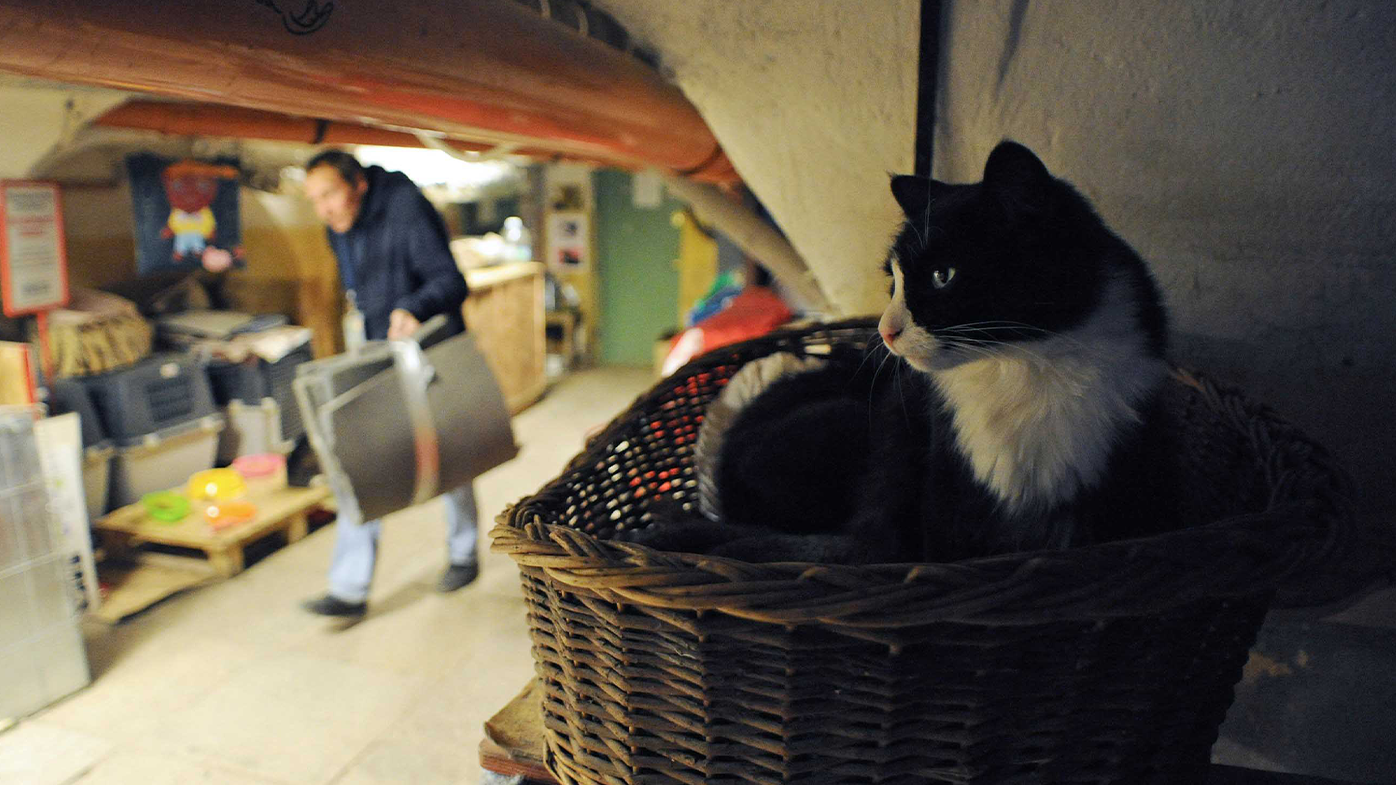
(164, 459)
(96, 479)
(251, 430)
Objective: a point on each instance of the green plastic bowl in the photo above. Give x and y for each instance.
(166, 506)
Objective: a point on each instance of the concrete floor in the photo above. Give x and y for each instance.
(233, 684)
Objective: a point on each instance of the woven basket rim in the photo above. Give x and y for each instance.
(1239, 556)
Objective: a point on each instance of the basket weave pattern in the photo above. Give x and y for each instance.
(1107, 664)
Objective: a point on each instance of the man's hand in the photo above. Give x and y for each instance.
(401, 324)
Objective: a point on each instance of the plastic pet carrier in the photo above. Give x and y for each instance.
(252, 429)
(69, 395)
(162, 421)
(254, 379)
(155, 395)
(164, 459)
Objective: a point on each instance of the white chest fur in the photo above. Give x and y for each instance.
(1037, 421)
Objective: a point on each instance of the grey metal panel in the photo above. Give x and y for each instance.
(394, 425)
(33, 520)
(374, 445)
(21, 689)
(472, 419)
(12, 547)
(61, 657)
(52, 592)
(16, 608)
(19, 454)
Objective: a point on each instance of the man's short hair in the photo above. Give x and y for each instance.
(347, 165)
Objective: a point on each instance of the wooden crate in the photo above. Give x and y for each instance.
(505, 314)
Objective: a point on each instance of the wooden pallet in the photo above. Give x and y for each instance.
(282, 510)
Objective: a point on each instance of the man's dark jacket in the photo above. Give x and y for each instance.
(397, 255)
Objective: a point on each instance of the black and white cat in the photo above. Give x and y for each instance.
(1021, 411)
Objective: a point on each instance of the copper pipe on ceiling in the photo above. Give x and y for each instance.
(490, 71)
(189, 119)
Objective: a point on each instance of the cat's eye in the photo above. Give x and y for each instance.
(942, 277)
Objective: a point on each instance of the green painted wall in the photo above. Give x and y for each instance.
(635, 252)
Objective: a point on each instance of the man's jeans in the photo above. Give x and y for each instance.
(356, 543)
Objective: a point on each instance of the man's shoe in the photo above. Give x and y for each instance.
(457, 576)
(330, 605)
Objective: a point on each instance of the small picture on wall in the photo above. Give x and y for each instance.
(569, 240)
(186, 213)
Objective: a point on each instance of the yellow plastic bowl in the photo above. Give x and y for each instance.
(216, 485)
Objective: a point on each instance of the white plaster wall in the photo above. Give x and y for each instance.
(814, 101)
(1247, 146)
(1248, 150)
(36, 116)
(264, 210)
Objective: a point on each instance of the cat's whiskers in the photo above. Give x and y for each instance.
(973, 347)
(897, 380)
(1003, 350)
(926, 222)
(920, 237)
(1067, 338)
(990, 326)
(872, 388)
(869, 349)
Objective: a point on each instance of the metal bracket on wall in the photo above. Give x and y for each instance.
(435, 142)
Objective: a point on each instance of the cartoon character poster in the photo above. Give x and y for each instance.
(186, 213)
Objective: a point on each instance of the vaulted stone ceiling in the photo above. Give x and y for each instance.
(814, 101)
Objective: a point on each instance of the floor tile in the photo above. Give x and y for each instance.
(159, 676)
(416, 631)
(438, 739)
(291, 716)
(152, 768)
(38, 753)
(396, 761)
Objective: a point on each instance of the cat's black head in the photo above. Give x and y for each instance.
(1012, 260)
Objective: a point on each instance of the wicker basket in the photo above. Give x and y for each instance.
(1107, 664)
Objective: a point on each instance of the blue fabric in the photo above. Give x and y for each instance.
(356, 543)
(189, 244)
(397, 255)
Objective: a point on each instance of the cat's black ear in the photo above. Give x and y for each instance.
(1018, 178)
(914, 193)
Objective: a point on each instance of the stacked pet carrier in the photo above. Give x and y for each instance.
(69, 395)
(162, 422)
(252, 361)
(259, 403)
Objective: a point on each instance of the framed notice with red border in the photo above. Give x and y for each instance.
(33, 250)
